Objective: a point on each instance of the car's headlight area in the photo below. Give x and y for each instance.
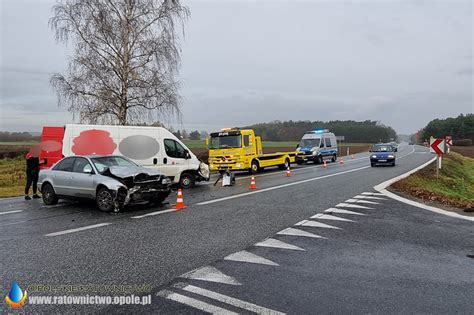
(374, 156)
(204, 170)
(166, 181)
(391, 156)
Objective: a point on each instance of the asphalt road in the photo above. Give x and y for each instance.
(389, 258)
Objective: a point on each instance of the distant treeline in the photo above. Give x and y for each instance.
(354, 131)
(461, 127)
(6, 136)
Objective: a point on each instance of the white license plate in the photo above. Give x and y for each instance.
(382, 160)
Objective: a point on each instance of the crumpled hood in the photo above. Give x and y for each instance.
(128, 171)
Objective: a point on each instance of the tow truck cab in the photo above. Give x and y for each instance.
(241, 150)
(317, 145)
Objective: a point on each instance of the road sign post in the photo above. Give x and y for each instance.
(449, 143)
(438, 146)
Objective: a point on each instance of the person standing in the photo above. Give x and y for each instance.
(32, 172)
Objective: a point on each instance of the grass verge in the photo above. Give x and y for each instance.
(454, 187)
(12, 177)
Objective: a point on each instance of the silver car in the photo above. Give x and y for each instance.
(113, 181)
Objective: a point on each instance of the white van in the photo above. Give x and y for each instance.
(147, 146)
(317, 146)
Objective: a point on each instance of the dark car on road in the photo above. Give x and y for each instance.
(382, 154)
(112, 181)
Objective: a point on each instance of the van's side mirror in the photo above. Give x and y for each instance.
(321, 145)
(187, 156)
(88, 170)
(155, 161)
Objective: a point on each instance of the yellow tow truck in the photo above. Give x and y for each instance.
(241, 150)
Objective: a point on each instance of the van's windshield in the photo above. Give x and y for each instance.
(227, 141)
(310, 143)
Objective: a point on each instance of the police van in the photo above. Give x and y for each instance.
(317, 146)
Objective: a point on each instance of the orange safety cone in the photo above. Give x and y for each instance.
(288, 172)
(253, 185)
(179, 200)
(341, 161)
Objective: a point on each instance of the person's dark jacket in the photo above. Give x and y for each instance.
(32, 164)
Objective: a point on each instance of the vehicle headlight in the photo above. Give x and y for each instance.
(391, 156)
(166, 181)
(374, 156)
(313, 152)
(204, 170)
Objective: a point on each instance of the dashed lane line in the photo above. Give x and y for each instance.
(298, 232)
(154, 213)
(323, 216)
(368, 197)
(248, 257)
(341, 211)
(10, 212)
(210, 274)
(194, 303)
(362, 201)
(88, 227)
(279, 186)
(350, 205)
(228, 300)
(274, 243)
(316, 224)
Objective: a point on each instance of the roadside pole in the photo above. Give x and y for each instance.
(438, 146)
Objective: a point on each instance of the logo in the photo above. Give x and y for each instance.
(15, 298)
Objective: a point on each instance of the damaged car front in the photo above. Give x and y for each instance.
(127, 183)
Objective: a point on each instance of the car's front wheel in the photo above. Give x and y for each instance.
(49, 196)
(105, 200)
(187, 180)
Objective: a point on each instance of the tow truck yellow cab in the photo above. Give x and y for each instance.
(241, 150)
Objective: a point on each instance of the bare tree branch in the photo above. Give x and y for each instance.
(126, 55)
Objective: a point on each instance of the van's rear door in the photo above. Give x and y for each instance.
(51, 145)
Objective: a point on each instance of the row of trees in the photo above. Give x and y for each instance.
(461, 127)
(17, 136)
(354, 131)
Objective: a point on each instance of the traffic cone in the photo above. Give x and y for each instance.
(253, 185)
(288, 172)
(352, 156)
(325, 164)
(341, 161)
(179, 200)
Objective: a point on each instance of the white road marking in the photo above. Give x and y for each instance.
(368, 197)
(372, 194)
(154, 213)
(231, 301)
(382, 189)
(336, 210)
(279, 186)
(349, 205)
(78, 229)
(273, 243)
(362, 201)
(200, 305)
(59, 205)
(210, 274)
(9, 212)
(322, 216)
(245, 256)
(298, 232)
(316, 224)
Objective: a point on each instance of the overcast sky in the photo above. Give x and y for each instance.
(399, 62)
